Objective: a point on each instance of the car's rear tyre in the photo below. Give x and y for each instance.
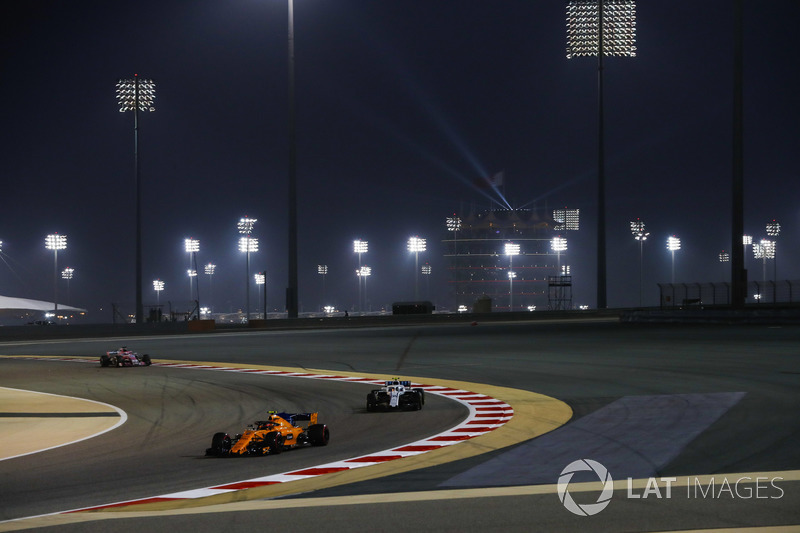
(318, 435)
(371, 402)
(274, 441)
(146, 360)
(105, 360)
(118, 361)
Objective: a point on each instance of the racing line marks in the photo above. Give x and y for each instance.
(485, 414)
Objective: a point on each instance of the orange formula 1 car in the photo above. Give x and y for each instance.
(279, 432)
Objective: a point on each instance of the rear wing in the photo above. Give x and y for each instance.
(293, 418)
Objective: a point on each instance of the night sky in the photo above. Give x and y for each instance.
(401, 106)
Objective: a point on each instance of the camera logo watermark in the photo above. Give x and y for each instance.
(703, 487)
(586, 509)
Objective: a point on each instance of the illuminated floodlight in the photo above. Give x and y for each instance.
(453, 223)
(724, 257)
(637, 230)
(512, 275)
(558, 244)
(747, 240)
(260, 278)
(210, 268)
(566, 219)
(426, 270)
(246, 225)
(191, 273)
(322, 269)
(136, 94)
(364, 271)
(462, 308)
(55, 242)
(773, 228)
(531, 308)
(765, 249)
(673, 245)
(416, 244)
(329, 309)
(67, 273)
(565, 270)
(511, 248)
(205, 311)
(360, 247)
(191, 245)
(618, 31)
(158, 285)
(248, 244)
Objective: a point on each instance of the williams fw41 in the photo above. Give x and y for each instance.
(281, 431)
(124, 357)
(396, 394)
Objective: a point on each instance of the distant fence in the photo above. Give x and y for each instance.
(687, 295)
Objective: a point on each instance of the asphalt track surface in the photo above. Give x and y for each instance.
(682, 401)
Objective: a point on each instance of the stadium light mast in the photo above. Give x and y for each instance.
(637, 229)
(67, 274)
(291, 290)
(511, 249)
(558, 245)
(773, 230)
(673, 244)
(360, 247)
(247, 245)
(210, 268)
(55, 242)
(137, 95)
(601, 28)
(192, 246)
(322, 270)
(158, 286)
(363, 273)
(415, 246)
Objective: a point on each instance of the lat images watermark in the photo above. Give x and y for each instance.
(745, 487)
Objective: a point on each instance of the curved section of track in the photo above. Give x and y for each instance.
(487, 411)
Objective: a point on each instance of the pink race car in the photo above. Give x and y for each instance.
(124, 357)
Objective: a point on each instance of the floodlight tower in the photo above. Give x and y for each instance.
(261, 280)
(137, 95)
(158, 286)
(764, 250)
(773, 230)
(637, 229)
(363, 273)
(416, 245)
(322, 270)
(453, 224)
(247, 245)
(511, 249)
(673, 244)
(67, 274)
(210, 268)
(426, 271)
(558, 245)
(601, 28)
(55, 242)
(360, 247)
(192, 246)
(291, 291)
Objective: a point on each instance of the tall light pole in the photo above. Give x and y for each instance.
(360, 247)
(773, 230)
(67, 274)
(601, 28)
(158, 286)
(511, 249)
(137, 95)
(322, 270)
(261, 280)
(637, 229)
(426, 271)
(363, 273)
(291, 291)
(673, 245)
(210, 268)
(247, 245)
(192, 246)
(765, 249)
(416, 245)
(453, 224)
(55, 242)
(558, 245)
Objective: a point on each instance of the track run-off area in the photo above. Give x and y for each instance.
(697, 427)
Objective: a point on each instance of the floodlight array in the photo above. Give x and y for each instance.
(764, 249)
(637, 230)
(158, 285)
(747, 240)
(191, 245)
(567, 219)
(724, 257)
(55, 242)
(360, 247)
(364, 271)
(426, 269)
(191, 272)
(246, 225)
(619, 28)
(512, 248)
(673, 243)
(67, 273)
(773, 228)
(416, 244)
(136, 93)
(322, 269)
(558, 244)
(210, 268)
(453, 223)
(248, 244)
(260, 278)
